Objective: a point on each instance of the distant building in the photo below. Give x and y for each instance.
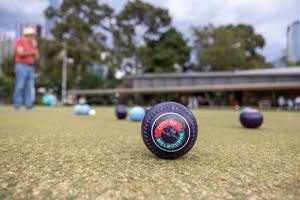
(293, 42)
(256, 87)
(50, 22)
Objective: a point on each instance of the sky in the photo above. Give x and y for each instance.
(268, 17)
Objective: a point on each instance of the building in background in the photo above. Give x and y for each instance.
(50, 22)
(255, 87)
(293, 42)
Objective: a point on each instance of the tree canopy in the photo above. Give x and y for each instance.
(77, 28)
(136, 25)
(229, 47)
(140, 38)
(163, 54)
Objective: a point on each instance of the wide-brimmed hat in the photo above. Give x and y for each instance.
(29, 31)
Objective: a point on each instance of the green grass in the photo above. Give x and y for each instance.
(51, 153)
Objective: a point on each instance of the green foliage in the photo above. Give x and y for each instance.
(77, 27)
(6, 78)
(161, 55)
(136, 25)
(291, 64)
(142, 41)
(7, 66)
(93, 81)
(138, 13)
(229, 47)
(6, 88)
(50, 65)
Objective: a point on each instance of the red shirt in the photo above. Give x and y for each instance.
(28, 47)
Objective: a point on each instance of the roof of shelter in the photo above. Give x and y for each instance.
(252, 72)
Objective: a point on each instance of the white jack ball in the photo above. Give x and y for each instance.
(92, 112)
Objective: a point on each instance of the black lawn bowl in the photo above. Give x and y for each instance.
(169, 130)
(251, 119)
(121, 111)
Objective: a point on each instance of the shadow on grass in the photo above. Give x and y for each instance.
(203, 158)
(259, 129)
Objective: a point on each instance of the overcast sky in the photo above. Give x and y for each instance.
(269, 17)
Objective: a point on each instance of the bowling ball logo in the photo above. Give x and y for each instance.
(170, 132)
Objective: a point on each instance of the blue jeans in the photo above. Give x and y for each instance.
(24, 86)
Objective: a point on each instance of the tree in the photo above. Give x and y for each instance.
(50, 64)
(292, 64)
(78, 30)
(136, 25)
(229, 47)
(163, 54)
(6, 88)
(7, 66)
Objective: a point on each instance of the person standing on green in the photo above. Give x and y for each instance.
(26, 54)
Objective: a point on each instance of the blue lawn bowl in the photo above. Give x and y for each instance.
(47, 100)
(81, 109)
(77, 109)
(85, 109)
(137, 113)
